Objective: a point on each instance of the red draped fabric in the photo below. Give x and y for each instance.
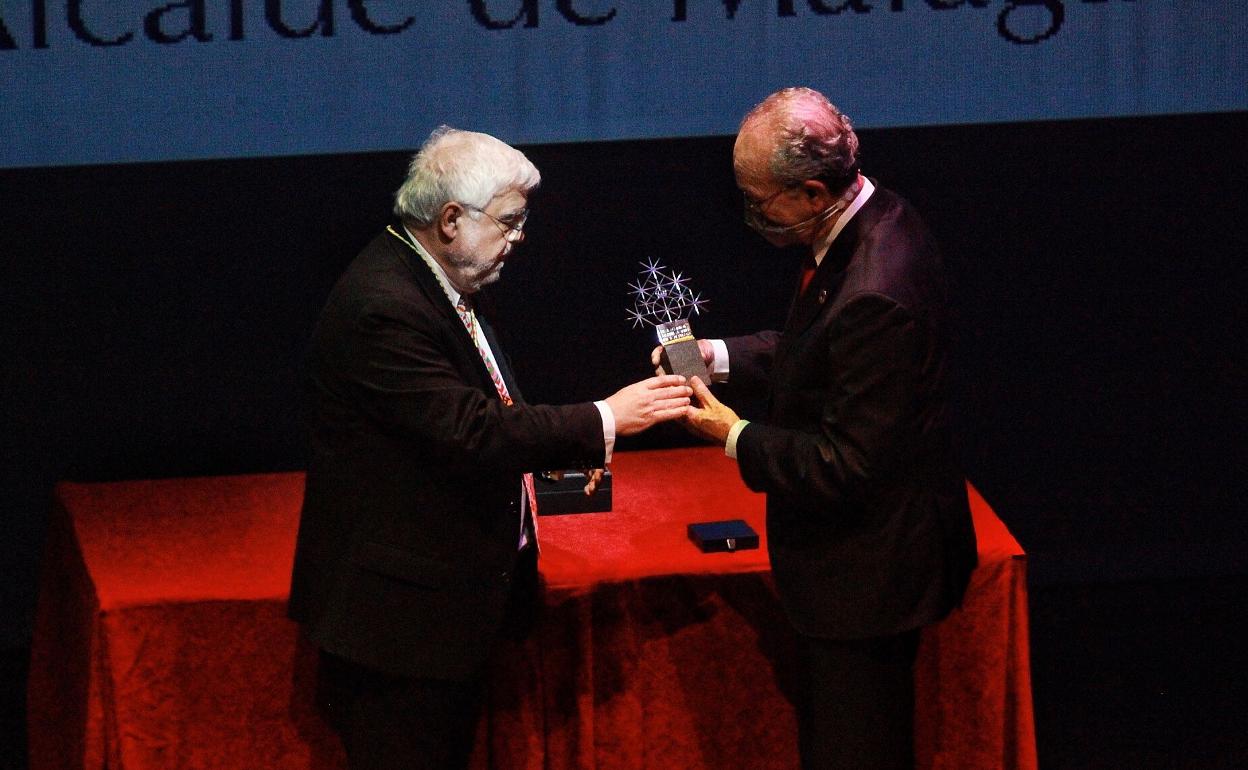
(161, 640)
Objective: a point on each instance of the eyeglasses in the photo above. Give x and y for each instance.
(754, 209)
(761, 225)
(512, 225)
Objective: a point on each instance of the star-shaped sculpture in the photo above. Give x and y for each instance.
(662, 297)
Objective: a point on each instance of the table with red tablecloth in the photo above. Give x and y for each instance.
(161, 639)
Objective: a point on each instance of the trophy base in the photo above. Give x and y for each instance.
(681, 354)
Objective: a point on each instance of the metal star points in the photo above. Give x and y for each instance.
(662, 297)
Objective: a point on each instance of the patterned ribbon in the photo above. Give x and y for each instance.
(469, 318)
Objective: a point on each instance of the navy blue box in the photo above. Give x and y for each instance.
(730, 535)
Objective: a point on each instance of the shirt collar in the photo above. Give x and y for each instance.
(859, 200)
(447, 287)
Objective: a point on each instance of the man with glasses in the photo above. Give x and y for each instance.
(416, 544)
(868, 525)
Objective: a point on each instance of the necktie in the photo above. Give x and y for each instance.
(808, 272)
(464, 306)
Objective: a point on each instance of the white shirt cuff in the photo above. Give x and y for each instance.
(719, 367)
(608, 430)
(730, 446)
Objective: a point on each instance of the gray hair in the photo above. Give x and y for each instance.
(812, 138)
(464, 166)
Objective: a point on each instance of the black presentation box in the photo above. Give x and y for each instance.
(567, 495)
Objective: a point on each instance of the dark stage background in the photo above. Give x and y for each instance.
(154, 319)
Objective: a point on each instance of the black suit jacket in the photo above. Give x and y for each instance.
(868, 524)
(408, 537)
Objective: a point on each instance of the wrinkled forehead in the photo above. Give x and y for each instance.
(508, 201)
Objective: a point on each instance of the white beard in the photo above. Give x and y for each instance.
(472, 272)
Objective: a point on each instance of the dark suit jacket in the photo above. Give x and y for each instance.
(867, 518)
(408, 537)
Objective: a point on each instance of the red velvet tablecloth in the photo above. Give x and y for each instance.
(161, 640)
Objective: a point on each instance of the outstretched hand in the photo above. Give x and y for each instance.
(649, 402)
(711, 419)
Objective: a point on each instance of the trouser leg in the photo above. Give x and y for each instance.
(398, 723)
(858, 707)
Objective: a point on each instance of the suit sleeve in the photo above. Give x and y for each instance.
(749, 361)
(401, 376)
(869, 417)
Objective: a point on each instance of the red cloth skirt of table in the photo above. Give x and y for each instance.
(161, 639)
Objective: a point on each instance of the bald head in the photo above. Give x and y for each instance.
(794, 135)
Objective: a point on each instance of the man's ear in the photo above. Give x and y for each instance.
(448, 220)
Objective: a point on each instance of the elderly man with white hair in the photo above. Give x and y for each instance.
(869, 530)
(416, 543)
